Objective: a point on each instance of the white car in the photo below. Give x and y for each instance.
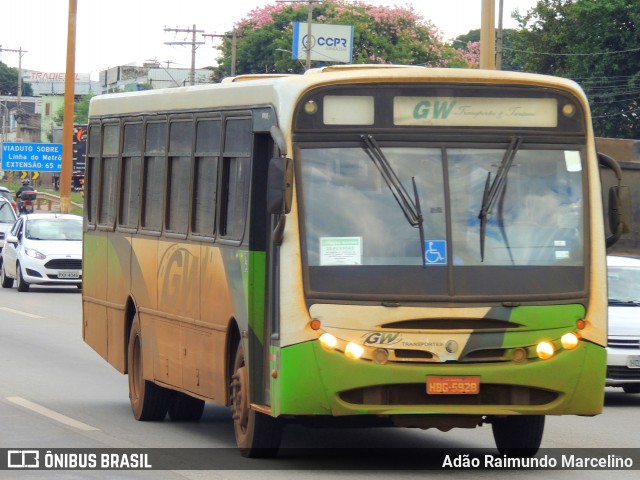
(623, 345)
(43, 249)
(7, 219)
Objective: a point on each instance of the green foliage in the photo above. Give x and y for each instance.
(80, 111)
(470, 42)
(9, 82)
(597, 44)
(381, 35)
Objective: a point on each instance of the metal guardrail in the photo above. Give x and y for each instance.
(51, 200)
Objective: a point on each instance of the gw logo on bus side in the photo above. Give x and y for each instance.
(436, 110)
(381, 338)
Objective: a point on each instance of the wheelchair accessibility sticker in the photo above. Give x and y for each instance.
(435, 252)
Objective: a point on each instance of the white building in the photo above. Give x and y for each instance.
(130, 77)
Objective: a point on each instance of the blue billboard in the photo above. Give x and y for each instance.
(32, 157)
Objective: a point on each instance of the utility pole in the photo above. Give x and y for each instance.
(234, 47)
(193, 43)
(69, 104)
(308, 46)
(488, 35)
(499, 39)
(20, 53)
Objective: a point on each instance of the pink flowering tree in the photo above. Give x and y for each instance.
(381, 35)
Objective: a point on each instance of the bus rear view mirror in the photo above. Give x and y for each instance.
(620, 210)
(279, 185)
(619, 206)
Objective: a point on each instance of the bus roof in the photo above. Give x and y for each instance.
(283, 90)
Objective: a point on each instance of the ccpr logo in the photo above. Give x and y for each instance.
(308, 42)
(23, 459)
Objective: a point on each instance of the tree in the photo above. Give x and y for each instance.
(80, 111)
(597, 44)
(381, 35)
(469, 44)
(9, 82)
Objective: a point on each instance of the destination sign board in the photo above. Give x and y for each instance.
(32, 157)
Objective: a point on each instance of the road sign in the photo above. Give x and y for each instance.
(32, 157)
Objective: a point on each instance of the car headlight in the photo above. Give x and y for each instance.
(34, 253)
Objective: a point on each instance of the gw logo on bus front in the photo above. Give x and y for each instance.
(381, 338)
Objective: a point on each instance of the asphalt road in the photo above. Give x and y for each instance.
(57, 393)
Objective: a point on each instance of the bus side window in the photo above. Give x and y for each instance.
(206, 177)
(92, 171)
(130, 176)
(154, 170)
(179, 175)
(235, 178)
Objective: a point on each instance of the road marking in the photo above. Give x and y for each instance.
(18, 312)
(58, 417)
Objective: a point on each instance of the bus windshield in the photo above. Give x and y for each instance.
(351, 217)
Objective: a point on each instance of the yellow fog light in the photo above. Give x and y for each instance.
(353, 351)
(519, 355)
(380, 356)
(545, 350)
(570, 340)
(328, 341)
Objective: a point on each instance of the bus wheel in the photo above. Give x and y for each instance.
(257, 434)
(518, 436)
(185, 408)
(148, 400)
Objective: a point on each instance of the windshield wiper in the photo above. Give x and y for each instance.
(410, 207)
(495, 189)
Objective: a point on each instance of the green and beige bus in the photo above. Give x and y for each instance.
(401, 246)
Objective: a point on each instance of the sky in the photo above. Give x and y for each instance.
(121, 32)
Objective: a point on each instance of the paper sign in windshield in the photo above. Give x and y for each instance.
(340, 251)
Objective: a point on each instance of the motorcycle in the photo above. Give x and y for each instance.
(25, 202)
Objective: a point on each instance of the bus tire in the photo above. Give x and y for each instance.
(7, 282)
(149, 402)
(257, 435)
(518, 435)
(185, 408)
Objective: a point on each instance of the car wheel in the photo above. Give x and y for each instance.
(7, 282)
(22, 285)
(632, 388)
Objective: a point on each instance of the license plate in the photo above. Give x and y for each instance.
(464, 385)
(633, 362)
(68, 274)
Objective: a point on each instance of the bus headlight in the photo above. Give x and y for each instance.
(353, 351)
(328, 341)
(570, 340)
(545, 350)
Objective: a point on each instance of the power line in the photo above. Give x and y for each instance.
(529, 52)
(192, 42)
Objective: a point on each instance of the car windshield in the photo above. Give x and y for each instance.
(6, 213)
(54, 229)
(623, 284)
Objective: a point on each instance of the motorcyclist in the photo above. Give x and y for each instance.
(25, 188)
